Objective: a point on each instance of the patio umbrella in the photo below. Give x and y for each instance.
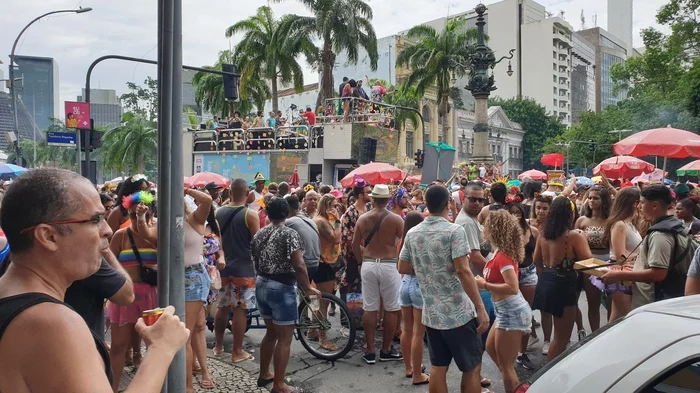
(623, 167)
(665, 142)
(374, 173)
(415, 179)
(10, 171)
(533, 174)
(553, 159)
(203, 178)
(691, 169)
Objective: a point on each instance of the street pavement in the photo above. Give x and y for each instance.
(352, 374)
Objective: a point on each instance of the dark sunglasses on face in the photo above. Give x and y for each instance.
(477, 200)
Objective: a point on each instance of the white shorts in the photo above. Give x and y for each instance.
(381, 284)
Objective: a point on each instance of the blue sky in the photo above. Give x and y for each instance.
(128, 27)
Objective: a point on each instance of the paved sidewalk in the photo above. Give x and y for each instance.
(238, 378)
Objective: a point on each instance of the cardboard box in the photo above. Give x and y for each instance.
(586, 266)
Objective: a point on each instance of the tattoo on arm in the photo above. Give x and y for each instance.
(326, 230)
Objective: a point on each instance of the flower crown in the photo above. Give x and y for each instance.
(501, 179)
(136, 198)
(540, 195)
(513, 199)
(308, 188)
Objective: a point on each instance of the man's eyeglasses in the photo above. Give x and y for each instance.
(477, 200)
(97, 219)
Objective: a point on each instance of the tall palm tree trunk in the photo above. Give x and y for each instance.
(445, 124)
(327, 87)
(141, 165)
(275, 96)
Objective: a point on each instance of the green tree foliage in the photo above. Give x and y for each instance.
(209, 90)
(129, 147)
(269, 49)
(342, 26)
(436, 58)
(539, 126)
(408, 97)
(142, 100)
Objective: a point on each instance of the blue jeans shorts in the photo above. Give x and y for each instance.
(276, 301)
(197, 283)
(410, 293)
(513, 313)
(527, 276)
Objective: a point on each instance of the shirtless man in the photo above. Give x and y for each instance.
(381, 280)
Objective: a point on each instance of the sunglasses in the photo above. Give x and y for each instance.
(477, 200)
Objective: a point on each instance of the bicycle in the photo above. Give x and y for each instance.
(337, 328)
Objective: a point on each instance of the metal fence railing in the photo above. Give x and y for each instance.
(295, 137)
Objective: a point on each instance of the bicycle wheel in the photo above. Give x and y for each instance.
(311, 324)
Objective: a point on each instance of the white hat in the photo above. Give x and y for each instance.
(381, 191)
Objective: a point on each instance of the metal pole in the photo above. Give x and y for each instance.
(567, 158)
(12, 74)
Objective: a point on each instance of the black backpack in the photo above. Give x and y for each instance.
(684, 247)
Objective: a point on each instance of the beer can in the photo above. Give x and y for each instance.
(151, 316)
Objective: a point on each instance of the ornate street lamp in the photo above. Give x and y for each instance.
(481, 85)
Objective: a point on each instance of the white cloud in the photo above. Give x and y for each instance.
(129, 27)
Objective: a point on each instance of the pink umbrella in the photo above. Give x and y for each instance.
(203, 178)
(623, 167)
(374, 173)
(533, 174)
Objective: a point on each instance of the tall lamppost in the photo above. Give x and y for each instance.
(481, 85)
(12, 76)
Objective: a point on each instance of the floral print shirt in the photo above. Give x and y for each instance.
(430, 247)
(351, 280)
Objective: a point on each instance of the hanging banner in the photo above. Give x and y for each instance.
(78, 115)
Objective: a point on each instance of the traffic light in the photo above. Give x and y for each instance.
(419, 158)
(230, 82)
(95, 138)
(591, 146)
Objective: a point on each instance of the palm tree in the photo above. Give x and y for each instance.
(271, 46)
(436, 58)
(209, 90)
(128, 146)
(408, 97)
(342, 25)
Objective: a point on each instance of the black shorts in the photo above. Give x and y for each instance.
(463, 344)
(555, 291)
(324, 273)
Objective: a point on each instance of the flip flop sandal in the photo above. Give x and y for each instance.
(328, 346)
(247, 357)
(207, 384)
(422, 370)
(217, 352)
(264, 382)
(485, 382)
(427, 381)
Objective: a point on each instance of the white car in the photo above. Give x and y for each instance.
(656, 348)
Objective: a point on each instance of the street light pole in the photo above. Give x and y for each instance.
(12, 75)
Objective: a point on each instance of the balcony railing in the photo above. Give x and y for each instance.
(360, 111)
(296, 137)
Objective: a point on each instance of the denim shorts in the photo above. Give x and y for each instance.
(197, 283)
(527, 276)
(276, 301)
(513, 313)
(410, 293)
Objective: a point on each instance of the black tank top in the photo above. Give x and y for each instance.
(11, 307)
(529, 250)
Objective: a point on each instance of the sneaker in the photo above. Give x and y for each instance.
(370, 358)
(392, 355)
(545, 348)
(582, 334)
(525, 361)
(532, 341)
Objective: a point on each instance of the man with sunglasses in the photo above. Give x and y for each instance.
(54, 222)
(474, 202)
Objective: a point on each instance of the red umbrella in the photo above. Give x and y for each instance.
(203, 178)
(663, 142)
(623, 167)
(374, 173)
(414, 179)
(533, 174)
(294, 179)
(553, 159)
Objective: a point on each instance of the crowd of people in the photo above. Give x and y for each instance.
(464, 263)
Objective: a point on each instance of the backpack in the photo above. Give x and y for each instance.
(684, 247)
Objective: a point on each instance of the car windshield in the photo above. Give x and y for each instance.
(570, 350)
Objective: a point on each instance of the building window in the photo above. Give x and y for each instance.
(409, 143)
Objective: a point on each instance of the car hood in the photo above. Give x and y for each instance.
(687, 306)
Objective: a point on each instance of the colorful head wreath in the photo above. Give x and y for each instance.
(514, 190)
(308, 187)
(513, 199)
(136, 198)
(398, 195)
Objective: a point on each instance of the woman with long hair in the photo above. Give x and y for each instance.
(527, 272)
(624, 239)
(411, 303)
(328, 222)
(539, 212)
(197, 282)
(556, 250)
(119, 217)
(513, 313)
(595, 212)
